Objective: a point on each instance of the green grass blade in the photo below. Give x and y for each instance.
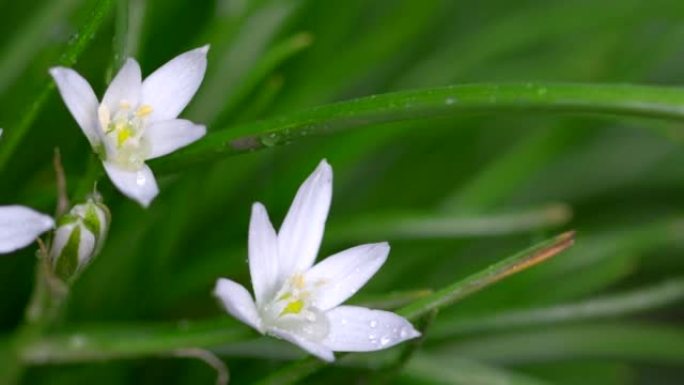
(637, 343)
(113, 341)
(624, 100)
(457, 371)
(15, 56)
(635, 301)
(13, 136)
(478, 281)
(391, 226)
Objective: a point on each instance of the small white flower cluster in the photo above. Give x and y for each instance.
(293, 299)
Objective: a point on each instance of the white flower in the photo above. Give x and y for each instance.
(136, 120)
(301, 303)
(19, 226)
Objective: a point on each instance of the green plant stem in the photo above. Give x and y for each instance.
(74, 49)
(115, 341)
(622, 100)
(47, 299)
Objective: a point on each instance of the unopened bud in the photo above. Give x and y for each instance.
(79, 237)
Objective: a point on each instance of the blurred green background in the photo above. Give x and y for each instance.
(452, 194)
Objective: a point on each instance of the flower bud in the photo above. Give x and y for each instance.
(79, 238)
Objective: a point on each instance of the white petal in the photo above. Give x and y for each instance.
(170, 88)
(126, 86)
(340, 276)
(358, 329)
(80, 100)
(138, 185)
(311, 347)
(167, 136)
(300, 235)
(263, 254)
(237, 301)
(19, 226)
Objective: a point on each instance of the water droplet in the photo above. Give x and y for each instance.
(404, 332)
(269, 140)
(373, 338)
(140, 179)
(373, 323)
(344, 321)
(541, 91)
(450, 101)
(385, 340)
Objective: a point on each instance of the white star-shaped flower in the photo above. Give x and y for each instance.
(136, 120)
(19, 226)
(300, 302)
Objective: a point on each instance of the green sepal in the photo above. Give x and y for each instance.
(66, 262)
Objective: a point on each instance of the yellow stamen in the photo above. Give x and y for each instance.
(143, 111)
(298, 281)
(123, 134)
(294, 307)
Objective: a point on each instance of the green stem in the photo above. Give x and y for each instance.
(47, 299)
(74, 49)
(622, 100)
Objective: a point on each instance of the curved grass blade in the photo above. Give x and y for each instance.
(621, 100)
(73, 50)
(29, 38)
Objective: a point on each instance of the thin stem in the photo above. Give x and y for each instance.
(222, 372)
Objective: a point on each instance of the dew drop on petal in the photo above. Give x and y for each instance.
(373, 324)
(385, 340)
(140, 179)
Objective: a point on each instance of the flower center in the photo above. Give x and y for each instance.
(124, 131)
(292, 309)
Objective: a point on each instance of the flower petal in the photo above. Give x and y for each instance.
(126, 86)
(300, 235)
(19, 226)
(311, 347)
(80, 100)
(138, 185)
(169, 135)
(340, 276)
(237, 301)
(263, 254)
(170, 88)
(358, 329)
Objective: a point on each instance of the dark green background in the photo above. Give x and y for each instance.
(623, 178)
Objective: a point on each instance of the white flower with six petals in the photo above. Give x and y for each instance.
(300, 302)
(136, 120)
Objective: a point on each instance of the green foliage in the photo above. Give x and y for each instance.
(460, 132)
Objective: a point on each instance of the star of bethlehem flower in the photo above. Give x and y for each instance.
(136, 120)
(301, 302)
